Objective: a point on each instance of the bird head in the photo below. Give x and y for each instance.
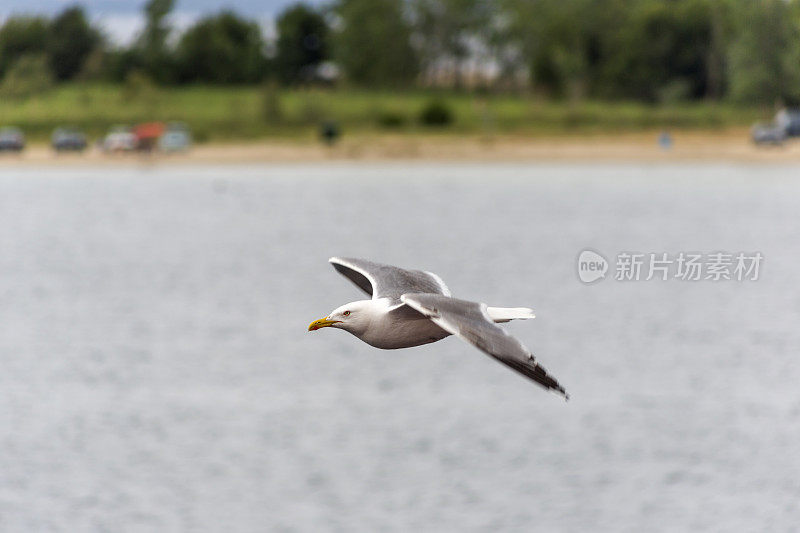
(353, 317)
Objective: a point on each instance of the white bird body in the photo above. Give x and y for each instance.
(411, 307)
(384, 324)
(389, 331)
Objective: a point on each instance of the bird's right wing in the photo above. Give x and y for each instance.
(386, 281)
(471, 322)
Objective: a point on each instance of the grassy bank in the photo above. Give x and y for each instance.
(219, 114)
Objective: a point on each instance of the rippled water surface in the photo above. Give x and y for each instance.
(157, 374)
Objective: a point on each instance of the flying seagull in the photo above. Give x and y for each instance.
(413, 307)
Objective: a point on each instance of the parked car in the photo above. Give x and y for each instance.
(119, 139)
(785, 124)
(176, 138)
(147, 135)
(68, 140)
(789, 121)
(11, 140)
(768, 133)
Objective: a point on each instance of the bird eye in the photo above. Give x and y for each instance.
(346, 313)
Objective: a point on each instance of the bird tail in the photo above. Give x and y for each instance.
(505, 314)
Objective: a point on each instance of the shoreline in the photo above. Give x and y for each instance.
(726, 146)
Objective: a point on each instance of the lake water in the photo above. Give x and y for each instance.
(157, 374)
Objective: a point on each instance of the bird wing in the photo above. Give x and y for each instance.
(471, 322)
(386, 281)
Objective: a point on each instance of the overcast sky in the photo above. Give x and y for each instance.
(121, 19)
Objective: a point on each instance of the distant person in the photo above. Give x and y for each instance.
(330, 132)
(665, 140)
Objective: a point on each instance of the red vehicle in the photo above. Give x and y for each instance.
(147, 135)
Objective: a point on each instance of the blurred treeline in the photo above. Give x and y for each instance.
(643, 50)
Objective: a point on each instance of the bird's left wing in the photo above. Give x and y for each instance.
(387, 281)
(470, 321)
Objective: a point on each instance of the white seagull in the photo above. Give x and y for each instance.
(413, 307)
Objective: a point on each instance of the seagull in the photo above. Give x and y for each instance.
(414, 307)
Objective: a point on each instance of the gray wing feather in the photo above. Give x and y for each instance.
(386, 281)
(470, 321)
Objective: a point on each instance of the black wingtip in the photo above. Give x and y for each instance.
(535, 372)
(560, 390)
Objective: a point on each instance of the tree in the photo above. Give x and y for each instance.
(448, 31)
(21, 36)
(647, 50)
(662, 51)
(373, 46)
(302, 43)
(27, 77)
(720, 39)
(120, 62)
(222, 48)
(152, 42)
(765, 55)
(70, 40)
(561, 41)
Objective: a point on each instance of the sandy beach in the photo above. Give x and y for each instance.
(733, 145)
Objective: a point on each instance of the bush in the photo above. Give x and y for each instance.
(200, 135)
(436, 113)
(391, 120)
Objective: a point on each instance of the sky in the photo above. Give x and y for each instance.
(122, 19)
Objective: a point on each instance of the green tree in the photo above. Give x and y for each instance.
(70, 40)
(445, 30)
(152, 43)
(716, 80)
(302, 43)
(765, 55)
(661, 51)
(560, 42)
(21, 36)
(647, 50)
(373, 45)
(222, 48)
(120, 62)
(27, 77)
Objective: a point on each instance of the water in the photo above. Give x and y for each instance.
(157, 374)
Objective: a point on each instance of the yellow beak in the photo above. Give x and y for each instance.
(322, 323)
